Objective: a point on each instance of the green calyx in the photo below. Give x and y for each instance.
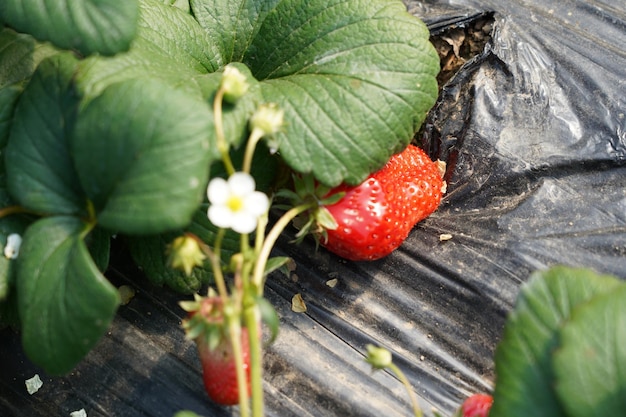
(307, 192)
(207, 322)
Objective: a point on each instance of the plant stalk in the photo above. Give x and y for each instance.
(417, 411)
(222, 146)
(216, 264)
(9, 210)
(254, 138)
(270, 241)
(252, 320)
(234, 329)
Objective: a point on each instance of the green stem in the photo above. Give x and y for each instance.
(260, 234)
(252, 320)
(258, 245)
(88, 228)
(216, 263)
(234, 329)
(10, 210)
(217, 245)
(248, 260)
(7, 211)
(222, 145)
(245, 246)
(270, 241)
(254, 138)
(417, 411)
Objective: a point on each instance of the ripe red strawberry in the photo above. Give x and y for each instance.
(375, 217)
(205, 325)
(219, 371)
(477, 405)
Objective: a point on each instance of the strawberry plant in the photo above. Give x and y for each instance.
(167, 124)
(115, 115)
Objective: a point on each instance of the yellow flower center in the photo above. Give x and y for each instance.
(235, 203)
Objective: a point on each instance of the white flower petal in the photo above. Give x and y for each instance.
(244, 223)
(218, 191)
(241, 183)
(220, 216)
(256, 203)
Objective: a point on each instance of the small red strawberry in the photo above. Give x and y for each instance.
(205, 325)
(219, 371)
(375, 217)
(477, 405)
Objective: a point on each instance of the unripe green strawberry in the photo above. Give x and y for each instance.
(375, 217)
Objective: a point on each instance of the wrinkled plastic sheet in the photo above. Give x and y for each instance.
(534, 133)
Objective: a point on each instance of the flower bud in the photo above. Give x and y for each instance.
(234, 84)
(185, 253)
(268, 118)
(379, 358)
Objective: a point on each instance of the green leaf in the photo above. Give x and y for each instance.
(40, 171)
(275, 263)
(269, 317)
(170, 45)
(232, 24)
(89, 26)
(525, 379)
(178, 36)
(19, 56)
(181, 4)
(65, 303)
(99, 244)
(142, 151)
(8, 101)
(590, 366)
(355, 79)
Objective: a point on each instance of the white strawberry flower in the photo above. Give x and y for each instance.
(235, 204)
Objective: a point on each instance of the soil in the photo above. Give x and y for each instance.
(461, 43)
